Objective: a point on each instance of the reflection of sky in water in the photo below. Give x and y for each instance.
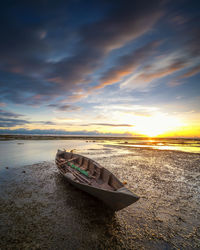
(185, 145)
(184, 148)
(192, 146)
(25, 152)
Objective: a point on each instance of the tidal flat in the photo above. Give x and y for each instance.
(40, 210)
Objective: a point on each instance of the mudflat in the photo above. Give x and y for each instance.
(39, 209)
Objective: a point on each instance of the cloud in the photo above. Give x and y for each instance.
(59, 132)
(45, 122)
(193, 71)
(124, 23)
(7, 119)
(65, 107)
(33, 63)
(178, 20)
(24, 89)
(108, 125)
(191, 31)
(174, 83)
(9, 114)
(6, 122)
(158, 69)
(163, 72)
(125, 108)
(75, 97)
(126, 65)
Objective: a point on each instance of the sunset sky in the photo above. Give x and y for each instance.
(128, 68)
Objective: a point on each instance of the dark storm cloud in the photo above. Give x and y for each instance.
(31, 30)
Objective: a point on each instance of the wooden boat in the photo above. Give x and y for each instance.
(91, 177)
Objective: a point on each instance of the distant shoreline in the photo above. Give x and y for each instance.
(83, 137)
(60, 137)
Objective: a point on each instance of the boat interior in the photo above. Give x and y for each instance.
(98, 176)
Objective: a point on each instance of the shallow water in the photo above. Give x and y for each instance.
(40, 210)
(24, 152)
(15, 153)
(184, 145)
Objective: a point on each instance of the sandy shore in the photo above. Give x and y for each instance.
(40, 210)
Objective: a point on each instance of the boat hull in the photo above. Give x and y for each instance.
(115, 200)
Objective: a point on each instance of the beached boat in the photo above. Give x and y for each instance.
(91, 177)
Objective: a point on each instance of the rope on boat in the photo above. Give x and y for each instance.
(79, 169)
(76, 174)
(79, 177)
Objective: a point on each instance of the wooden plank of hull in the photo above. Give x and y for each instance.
(115, 199)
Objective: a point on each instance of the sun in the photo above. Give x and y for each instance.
(156, 125)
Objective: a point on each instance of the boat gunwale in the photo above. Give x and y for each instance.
(92, 187)
(84, 184)
(122, 197)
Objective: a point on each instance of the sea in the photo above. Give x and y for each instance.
(15, 153)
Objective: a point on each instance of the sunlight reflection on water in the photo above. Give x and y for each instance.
(191, 146)
(14, 153)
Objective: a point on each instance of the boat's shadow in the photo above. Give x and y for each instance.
(86, 219)
(81, 201)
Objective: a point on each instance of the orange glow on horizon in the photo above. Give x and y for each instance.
(157, 125)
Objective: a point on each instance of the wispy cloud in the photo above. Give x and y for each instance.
(163, 72)
(60, 132)
(99, 63)
(8, 122)
(108, 125)
(65, 107)
(189, 73)
(126, 65)
(5, 113)
(126, 107)
(193, 71)
(159, 69)
(27, 56)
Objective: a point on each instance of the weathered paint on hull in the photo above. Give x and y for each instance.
(116, 200)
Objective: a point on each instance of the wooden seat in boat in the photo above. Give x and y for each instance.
(91, 177)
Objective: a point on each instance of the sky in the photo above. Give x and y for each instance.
(118, 68)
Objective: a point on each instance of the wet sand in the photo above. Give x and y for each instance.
(40, 210)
